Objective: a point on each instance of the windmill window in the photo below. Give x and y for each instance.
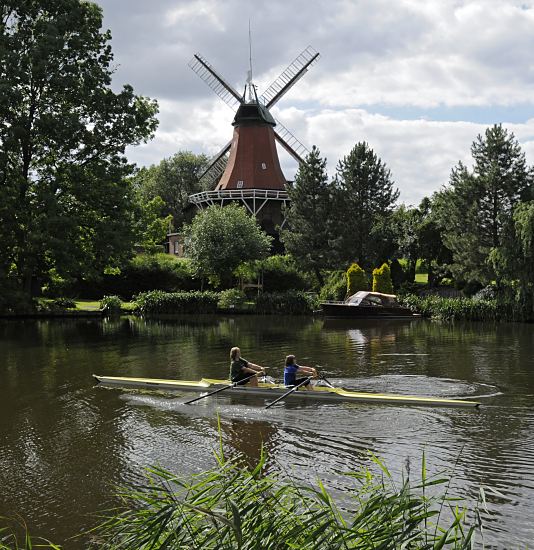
(240, 184)
(263, 166)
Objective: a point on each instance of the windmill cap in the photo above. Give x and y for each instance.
(251, 114)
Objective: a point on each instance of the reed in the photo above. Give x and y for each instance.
(464, 309)
(233, 507)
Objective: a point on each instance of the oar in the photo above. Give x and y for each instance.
(287, 393)
(323, 377)
(232, 385)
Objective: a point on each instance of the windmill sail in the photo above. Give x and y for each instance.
(215, 81)
(294, 71)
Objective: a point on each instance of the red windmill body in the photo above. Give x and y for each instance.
(248, 166)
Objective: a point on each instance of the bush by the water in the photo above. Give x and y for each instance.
(356, 279)
(233, 507)
(144, 272)
(292, 302)
(232, 298)
(281, 273)
(111, 305)
(467, 309)
(335, 286)
(157, 301)
(382, 279)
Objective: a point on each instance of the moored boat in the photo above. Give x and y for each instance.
(366, 304)
(273, 390)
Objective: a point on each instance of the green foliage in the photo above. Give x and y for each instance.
(309, 218)
(142, 273)
(356, 279)
(222, 238)
(335, 287)
(292, 302)
(172, 180)
(281, 272)
(382, 279)
(156, 302)
(152, 225)
(232, 298)
(64, 303)
(457, 309)
(233, 507)
(111, 305)
(64, 201)
(476, 209)
(364, 201)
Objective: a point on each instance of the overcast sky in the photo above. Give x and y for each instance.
(417, 79)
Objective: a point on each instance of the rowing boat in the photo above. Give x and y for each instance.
(271, 390)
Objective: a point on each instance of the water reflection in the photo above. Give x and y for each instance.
(64, 444)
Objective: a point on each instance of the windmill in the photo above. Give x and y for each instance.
(248, 165)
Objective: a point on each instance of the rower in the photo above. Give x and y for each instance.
(292, 369)
(241, 369)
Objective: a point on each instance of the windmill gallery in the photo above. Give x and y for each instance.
(247, 169)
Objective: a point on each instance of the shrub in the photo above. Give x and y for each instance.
(231, 298)
(111, 305)
(64, 303)
(157, 301)
(143, 273)
(465, 309)
(356, 279)
(335, 287)
(382, 279)
(292, 302)
(282, 273)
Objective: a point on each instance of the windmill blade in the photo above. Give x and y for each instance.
(294, 71)
(215, 81)
(216, 165)
(289, 142)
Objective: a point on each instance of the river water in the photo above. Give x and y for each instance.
(65, 445)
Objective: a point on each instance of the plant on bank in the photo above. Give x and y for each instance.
(292, 302)
(111, 305)
(382, 279)
(232, 298)
(234, 507)
(457, 309)
(335, 287)
(156, 301)
(356, 279)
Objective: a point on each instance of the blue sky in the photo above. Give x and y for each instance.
(418, 80)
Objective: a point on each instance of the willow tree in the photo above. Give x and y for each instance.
(65, 203)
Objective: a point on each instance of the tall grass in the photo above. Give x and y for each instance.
(468, 309)
(233, 507)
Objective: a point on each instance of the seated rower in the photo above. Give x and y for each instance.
(292, 369)
(241, 368)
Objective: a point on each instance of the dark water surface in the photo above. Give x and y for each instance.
(66, 444)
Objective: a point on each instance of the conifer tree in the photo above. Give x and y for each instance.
(477, 207)
(365, 199)
(309, 226)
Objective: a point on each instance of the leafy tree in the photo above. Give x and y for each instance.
(309, 218)
(219, 239)
(65, 204)
(173, 179)
(477, 207)
(365, 198)
(514, 260)
(152, 226)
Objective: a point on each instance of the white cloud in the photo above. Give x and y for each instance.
(390, 74)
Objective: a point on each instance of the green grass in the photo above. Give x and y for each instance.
(421, 278)
(94, 305)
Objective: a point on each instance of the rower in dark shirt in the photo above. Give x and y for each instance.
(241, 368)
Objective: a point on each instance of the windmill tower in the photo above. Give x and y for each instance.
(248, 165)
